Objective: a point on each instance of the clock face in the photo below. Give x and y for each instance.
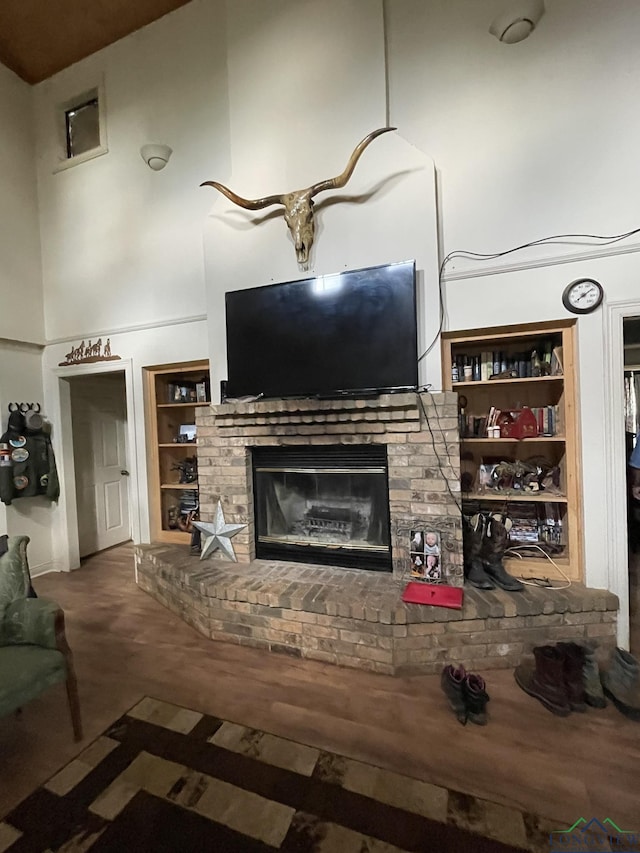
(582, 296)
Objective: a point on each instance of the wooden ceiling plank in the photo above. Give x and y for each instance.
(36, 42)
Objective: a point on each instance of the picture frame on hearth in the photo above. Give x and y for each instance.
(417, 565)
(425, 556)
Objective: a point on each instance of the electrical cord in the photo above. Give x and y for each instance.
(464, 253)
(441, 467)
(546, 583)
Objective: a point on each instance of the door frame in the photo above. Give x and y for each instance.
(615, 455)
(68, 499)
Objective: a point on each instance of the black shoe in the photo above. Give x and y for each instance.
(451, 681)
(476, 698)
(477, 577)
(472, 541)
(494, 544)
(502, 578)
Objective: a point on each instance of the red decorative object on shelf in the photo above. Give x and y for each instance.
(518, 424)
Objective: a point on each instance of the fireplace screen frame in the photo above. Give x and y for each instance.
(336, 460)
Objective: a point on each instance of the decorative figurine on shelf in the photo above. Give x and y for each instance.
(186, 524)
(298, 205)
(519, 423)
(188, 469)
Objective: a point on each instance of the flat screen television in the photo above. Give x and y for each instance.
(347, 333)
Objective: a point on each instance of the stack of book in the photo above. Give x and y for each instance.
(542, 359)
(188, 501)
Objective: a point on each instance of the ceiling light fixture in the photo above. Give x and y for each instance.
(156, 156)
(517, 21)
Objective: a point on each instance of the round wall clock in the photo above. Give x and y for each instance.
(582, 296)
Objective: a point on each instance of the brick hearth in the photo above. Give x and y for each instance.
(357, 619)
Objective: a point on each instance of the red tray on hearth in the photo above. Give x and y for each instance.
(436, 594)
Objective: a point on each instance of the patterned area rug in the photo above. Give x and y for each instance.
(165, 778)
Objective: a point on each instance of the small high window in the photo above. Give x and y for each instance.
(81, 128)
(82, 124)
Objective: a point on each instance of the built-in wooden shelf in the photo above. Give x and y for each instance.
(163, 421)
(516, 381)
(178, 444)
(179, 486)
(515, 497)
(561, 451)
(181, 405)
(486, 440)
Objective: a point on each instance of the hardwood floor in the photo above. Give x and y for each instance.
(127, 645)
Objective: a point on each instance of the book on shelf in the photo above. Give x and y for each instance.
(557, 367)
(480, 426)
(543, 358)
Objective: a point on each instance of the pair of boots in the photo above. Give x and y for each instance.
(485, 539)
(466, 693)
(564, 677)
(621, 683)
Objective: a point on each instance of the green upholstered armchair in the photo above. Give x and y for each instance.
(34, 653)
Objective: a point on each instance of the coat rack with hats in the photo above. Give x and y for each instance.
(27, 462)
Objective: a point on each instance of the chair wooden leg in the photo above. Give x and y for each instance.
(72, 684)
(74, 706)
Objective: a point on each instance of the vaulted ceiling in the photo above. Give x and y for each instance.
(38, 38)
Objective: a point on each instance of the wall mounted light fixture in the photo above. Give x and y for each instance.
(517, 21)
(156, 156)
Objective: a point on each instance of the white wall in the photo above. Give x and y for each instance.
(137, 349)
(530, 139)
(21, 316)
(21, 381)
(122, 244)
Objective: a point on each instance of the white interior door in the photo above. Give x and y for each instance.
(99, 416)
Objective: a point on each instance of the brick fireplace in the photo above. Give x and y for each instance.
(419, 433)
(355, 616)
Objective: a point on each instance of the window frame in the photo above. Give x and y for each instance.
(62, 108)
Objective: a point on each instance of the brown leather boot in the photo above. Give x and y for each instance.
(572, 664)
(494, 544)
(473, 537)
(545, 680)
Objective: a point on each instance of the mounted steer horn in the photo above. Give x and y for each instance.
(298, 205)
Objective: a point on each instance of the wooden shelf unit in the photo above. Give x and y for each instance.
(561, 449)
(163, 420)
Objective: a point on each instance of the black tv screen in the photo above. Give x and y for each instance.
(335, 334)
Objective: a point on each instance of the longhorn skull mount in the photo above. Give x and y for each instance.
(298, 205)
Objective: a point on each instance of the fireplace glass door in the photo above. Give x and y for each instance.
(324, 504)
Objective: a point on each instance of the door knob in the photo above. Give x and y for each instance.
(124, 472)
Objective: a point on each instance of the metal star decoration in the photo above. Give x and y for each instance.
(217, 534)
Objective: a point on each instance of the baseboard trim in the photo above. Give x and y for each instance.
(44, 569)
